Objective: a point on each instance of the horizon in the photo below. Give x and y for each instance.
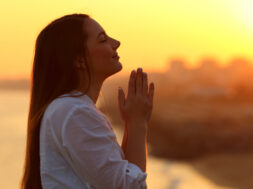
(198, 65)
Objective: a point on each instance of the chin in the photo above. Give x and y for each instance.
(117, 68)
(120, 66)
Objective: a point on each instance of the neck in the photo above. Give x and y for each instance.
(94, 90)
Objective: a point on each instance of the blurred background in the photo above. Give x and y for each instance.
(199, 55)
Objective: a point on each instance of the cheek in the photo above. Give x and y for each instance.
(101, 57)
(102, 52)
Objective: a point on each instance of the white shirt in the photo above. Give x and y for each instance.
(79, 150)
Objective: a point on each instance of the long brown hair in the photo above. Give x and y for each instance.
(53, 74)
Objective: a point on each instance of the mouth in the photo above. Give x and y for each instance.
(116, 56)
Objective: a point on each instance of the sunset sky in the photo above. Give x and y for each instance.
(151, 32)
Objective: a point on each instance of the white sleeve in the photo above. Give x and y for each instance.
(91, 148)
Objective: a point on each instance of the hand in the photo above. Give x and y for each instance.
(138, 106)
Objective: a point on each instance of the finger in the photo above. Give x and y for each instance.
(145, 83)
(131, 84)
(121, 98)
(139, 81)
(151, 92)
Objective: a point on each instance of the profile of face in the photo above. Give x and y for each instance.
(102, 56)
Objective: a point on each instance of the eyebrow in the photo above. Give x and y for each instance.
(102, 32)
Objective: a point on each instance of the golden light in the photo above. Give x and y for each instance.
(246, 8)
(151, 32)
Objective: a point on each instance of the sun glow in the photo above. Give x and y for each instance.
(247, 12)
(151, 32)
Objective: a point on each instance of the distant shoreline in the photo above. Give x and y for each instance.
(15, 84)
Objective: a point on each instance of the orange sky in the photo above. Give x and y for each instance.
(151, 32)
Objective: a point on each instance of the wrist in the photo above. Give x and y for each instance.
(137, 126)
(136, 122)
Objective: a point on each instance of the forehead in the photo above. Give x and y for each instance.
(92, 28)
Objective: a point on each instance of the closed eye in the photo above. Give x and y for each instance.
(105, 38)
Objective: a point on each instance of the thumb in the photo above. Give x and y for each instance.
(121, 97)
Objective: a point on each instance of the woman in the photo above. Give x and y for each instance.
(70, 143)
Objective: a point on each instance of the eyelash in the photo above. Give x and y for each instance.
(104, 40)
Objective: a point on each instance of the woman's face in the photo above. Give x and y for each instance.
(101, 50)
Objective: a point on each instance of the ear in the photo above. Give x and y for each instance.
(80, 63)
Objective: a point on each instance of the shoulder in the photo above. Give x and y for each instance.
(74, 109)
(59, 108)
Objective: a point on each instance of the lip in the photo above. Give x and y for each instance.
(117, 57)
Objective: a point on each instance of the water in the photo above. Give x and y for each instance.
(162, 174)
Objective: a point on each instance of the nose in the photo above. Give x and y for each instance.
(116, 44)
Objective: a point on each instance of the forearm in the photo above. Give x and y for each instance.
(124, 140)
(136, 144)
